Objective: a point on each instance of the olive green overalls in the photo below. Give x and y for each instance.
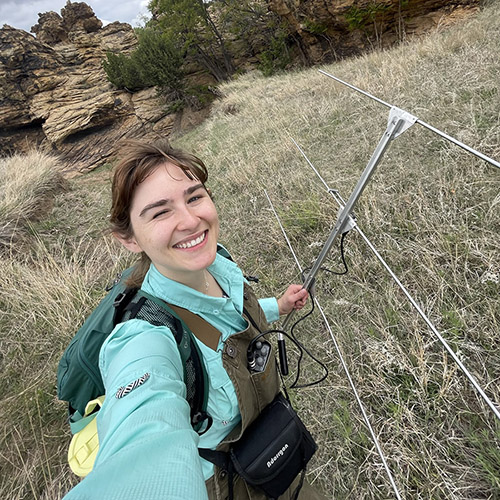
(254, 392)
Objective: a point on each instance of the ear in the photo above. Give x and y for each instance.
(129, 242)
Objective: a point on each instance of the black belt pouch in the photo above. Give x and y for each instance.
(274, 449)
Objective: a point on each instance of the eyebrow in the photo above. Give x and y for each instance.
(165, 201)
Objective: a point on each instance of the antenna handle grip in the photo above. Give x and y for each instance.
(282, 356)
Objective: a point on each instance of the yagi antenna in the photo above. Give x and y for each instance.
(420, 122)
(399, 121)
(336, 196)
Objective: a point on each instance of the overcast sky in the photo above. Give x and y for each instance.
(23, 14)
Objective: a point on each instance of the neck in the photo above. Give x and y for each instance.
(211, 287)
(201, 281)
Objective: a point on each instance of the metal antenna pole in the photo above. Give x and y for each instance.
(426, 125)
(399, 122)
(450, 351)
(344, 365)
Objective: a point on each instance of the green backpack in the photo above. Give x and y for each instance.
(78, 377)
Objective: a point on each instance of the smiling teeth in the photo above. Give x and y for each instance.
(191, 243)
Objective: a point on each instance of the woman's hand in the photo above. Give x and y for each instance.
(295, 297)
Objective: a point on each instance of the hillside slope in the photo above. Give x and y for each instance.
(432, 210)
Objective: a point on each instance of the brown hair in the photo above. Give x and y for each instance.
(138, 160)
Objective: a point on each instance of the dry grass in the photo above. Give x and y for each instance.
(28, 185)
(431, 209)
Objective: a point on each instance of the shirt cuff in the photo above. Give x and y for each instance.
(270, 307)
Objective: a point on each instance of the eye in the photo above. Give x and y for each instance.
(194, 198)
(160, 213)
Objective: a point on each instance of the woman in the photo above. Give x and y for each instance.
(162, 210)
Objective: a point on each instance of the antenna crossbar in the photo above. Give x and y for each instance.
(420, 122)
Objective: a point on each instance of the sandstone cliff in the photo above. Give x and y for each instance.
(54, 92)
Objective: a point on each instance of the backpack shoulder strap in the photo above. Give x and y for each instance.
(157, 312)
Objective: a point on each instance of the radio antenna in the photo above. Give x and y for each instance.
(336, 195)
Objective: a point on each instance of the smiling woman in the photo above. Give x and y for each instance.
(172, 219)
(148, 448)
(175, 223)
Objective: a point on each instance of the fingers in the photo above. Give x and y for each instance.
(299, 296)
(300, 303)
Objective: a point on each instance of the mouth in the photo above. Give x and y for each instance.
(184, 245)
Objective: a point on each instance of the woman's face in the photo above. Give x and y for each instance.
(174, 221)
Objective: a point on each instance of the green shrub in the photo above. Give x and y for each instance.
(155, 62)
(276, 57)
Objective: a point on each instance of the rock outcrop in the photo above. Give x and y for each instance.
(329, 30)
(54, 92)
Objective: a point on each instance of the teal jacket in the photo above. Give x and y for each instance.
(148, 449)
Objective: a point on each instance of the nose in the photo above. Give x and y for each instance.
(187, 219)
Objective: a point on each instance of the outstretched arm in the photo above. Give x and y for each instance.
(148, 449)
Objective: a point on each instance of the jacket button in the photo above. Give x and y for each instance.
(231, 351)
(222, 474)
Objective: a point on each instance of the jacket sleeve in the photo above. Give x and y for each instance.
(147, 447)
(270, 307)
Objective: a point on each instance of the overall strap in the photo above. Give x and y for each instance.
(202, 330)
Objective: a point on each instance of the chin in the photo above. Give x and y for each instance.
(204, 261)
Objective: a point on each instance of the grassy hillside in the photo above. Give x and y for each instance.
(432, 210)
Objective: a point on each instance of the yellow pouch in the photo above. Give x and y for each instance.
(85, 443)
